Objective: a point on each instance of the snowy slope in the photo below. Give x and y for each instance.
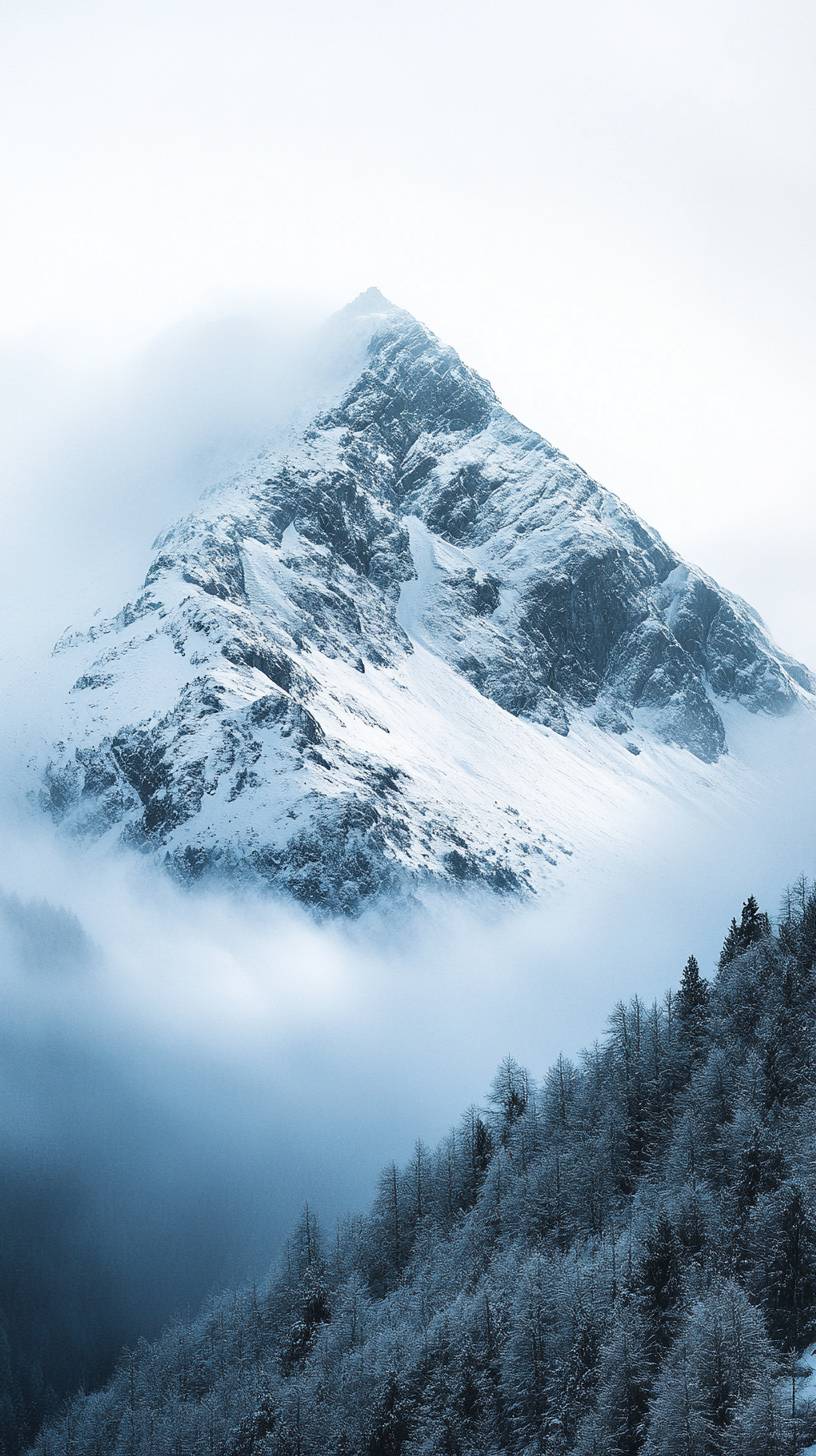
(410, 643)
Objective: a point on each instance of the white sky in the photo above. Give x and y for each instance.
(608, 208)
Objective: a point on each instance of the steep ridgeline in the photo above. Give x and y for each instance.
(620, 1260)
(355, 667)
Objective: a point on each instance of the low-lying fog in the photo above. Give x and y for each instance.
(180, 1072)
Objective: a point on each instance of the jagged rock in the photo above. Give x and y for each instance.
(343, 669)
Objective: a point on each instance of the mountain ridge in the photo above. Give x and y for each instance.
(248, 712)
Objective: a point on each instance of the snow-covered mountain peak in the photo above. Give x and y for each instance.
(350, 333)
(410, 642)
(372, 303)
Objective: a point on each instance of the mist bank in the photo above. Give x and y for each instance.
(617, 1257)
(181, 1071)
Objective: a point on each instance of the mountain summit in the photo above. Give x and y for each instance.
(411, 643)
(371, 301)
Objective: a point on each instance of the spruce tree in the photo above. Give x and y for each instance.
(754, 924)
(692, 1010)
(760, 1169)
(790, 1270)
(617, 1424)
(731, 945)
(692, 997)
(658, 1281)
(391, 1425)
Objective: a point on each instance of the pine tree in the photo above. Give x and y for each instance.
(658, 1282)
(616, 1426)
(754, 924)
(391, 1426)
(678, 1419)
(478, 1149)
(731, 945)
(580, 1374)
(691, 1005)
(692, 997)
(528, 1363)
(721, 1356)
(789, 1280)
(785, 1063)
(509, 1095)
(763, 1425)
(251, 1437)
(760, 1169)
(307, 1293)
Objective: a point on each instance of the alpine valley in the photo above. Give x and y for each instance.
(411, 644)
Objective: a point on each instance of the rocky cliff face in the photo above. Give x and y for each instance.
(392, 648)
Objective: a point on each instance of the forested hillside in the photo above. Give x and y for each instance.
(619, 1258)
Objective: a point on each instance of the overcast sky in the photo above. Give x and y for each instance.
(608, 208)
